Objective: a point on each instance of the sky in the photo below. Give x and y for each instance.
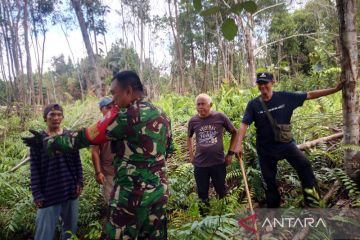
(56, 43)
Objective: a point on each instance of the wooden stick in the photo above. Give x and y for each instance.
(23, 162)
(247, 192)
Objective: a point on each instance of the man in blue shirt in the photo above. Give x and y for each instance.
(56, 182)
(281, 106)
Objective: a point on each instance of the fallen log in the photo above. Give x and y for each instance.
(315, 142)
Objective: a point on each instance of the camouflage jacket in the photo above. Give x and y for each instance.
(140, 137)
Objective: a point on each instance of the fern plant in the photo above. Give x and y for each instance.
(211, 227)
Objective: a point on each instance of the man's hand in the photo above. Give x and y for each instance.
(100, 178)
(238, 151)
(191, 160)
(340, 85)
(78, 190)
(228, 159)
(38, 203)
(35, 141)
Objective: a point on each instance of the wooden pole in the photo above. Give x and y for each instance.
(247, 192)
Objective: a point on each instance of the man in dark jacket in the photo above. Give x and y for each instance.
(56, 182)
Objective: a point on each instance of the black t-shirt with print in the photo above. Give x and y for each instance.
(209, 138)
(281, 106)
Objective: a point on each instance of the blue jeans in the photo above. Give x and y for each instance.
(47, 219)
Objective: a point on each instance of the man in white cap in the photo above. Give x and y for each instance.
(102, 157)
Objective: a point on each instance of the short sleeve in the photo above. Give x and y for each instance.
(228, 124)
(296, 99)
(249, 114)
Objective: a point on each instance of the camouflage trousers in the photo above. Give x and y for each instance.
(137, 222)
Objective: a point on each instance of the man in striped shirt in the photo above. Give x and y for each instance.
(56, 182)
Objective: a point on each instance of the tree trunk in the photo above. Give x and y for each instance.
(349, 73)
(28, 56)
(13, 28)
(222, 49)
(79, 14)
(41, 97)
(10, 68)
(125, 36)
(181, 58)
(141, 45)
(193, 59)
(95, 35)
(73, 59)
(250, 50)
(177, 44)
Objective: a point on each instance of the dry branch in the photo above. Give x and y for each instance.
(20, 164)
(313, 143)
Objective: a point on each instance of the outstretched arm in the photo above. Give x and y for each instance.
(93, 135)
(324, 92)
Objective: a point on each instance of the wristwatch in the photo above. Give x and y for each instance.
(230, 153)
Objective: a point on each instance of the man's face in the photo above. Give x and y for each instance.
(54, 119)
(203, 106)
(106, 109)
(121, 96)
(265, 88)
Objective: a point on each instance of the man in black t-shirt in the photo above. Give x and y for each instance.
(209, 160)
(281, 106)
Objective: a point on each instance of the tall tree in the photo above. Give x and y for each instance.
(140, 10)
(28, 54)
(86, 38)
(349, 66)
(176, 34)
(39, 12)
(12, 16)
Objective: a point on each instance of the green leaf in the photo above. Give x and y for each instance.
(197, 5)
(250, 6)
(210, 11)
(237, 8)
(229, 29)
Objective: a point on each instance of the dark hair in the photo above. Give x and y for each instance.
(51, 107)
(129, 78)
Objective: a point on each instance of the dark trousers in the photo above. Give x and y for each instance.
(268, 165)
(217, 174)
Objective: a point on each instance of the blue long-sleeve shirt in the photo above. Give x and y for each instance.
(54, 178)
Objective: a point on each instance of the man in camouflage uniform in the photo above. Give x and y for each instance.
(140, 136)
